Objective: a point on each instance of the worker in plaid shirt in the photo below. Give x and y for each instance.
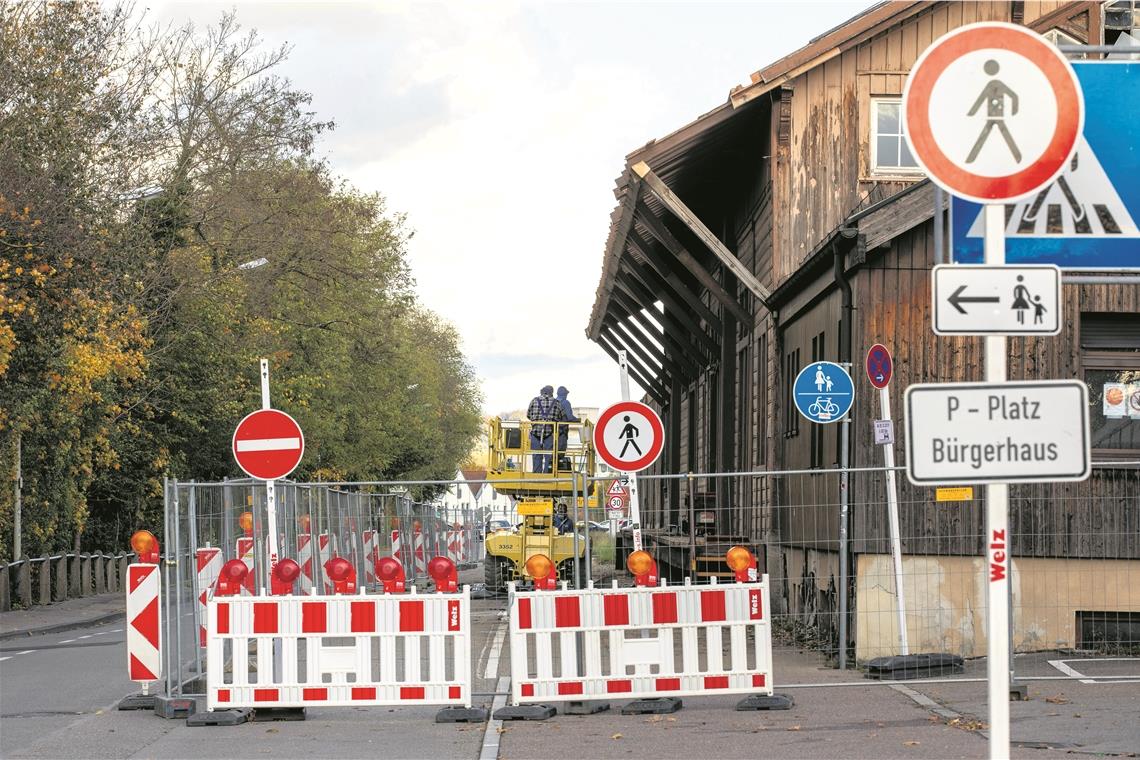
(543, 408)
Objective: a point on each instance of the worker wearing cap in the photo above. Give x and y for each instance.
(564, 430)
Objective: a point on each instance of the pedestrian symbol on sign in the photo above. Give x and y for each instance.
(993, 96)
(629, 432)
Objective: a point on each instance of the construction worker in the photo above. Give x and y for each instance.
(564, 464)
(544, 408)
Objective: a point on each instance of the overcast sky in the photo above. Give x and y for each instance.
(499, 128)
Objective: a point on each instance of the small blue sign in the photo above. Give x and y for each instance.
(1087, 218)
(823, 392)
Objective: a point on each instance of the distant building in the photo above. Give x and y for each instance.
(471, 497)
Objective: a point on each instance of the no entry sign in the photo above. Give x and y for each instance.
(268, 444)
(629, 436)
(992, 111)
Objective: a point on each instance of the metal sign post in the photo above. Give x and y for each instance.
(893, 514)
(998, 551)
(270, 490)
(631, 487)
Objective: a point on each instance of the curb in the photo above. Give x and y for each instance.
(61, 627)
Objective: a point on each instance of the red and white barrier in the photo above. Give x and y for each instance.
(645, 631)
(144, 621)
(209, 567)
(305, 560)
(420, 557)
(244, 550)
(371, 541)
(434, 667)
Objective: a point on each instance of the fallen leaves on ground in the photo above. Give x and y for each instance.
(793, 728)
(911, 743)
(968, 724)
(616, 736)
(1057, 699)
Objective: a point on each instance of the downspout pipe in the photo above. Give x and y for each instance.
(845, 325)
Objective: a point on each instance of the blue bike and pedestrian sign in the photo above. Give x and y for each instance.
(823, 392)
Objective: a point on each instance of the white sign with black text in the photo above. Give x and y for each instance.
(884, 432)
(993, 300)
(965, 433)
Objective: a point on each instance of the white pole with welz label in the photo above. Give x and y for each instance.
(270, 489)
(893, 516)
(997, 527)
(634, 507)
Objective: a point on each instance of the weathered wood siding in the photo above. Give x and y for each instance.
(828, 171)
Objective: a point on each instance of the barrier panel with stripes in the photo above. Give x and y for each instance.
(345, 650)
(599, 643)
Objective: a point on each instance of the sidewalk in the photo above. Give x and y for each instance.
(62, 616)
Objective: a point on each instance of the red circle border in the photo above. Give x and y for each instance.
(867, 365)
(916, 111)
(654, 422)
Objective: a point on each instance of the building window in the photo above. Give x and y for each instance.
(889, 151)
(818, 353)
(791, 414)
(1121, 18)
(1110, 366)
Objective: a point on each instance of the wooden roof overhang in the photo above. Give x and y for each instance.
(652, 256)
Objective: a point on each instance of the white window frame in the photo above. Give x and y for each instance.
(888, 171)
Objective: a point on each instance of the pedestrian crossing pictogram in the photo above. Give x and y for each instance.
(1082, 201)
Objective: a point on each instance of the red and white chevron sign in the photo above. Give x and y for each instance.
(209, 568)
(144, 621)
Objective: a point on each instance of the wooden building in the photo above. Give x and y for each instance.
(813, 238)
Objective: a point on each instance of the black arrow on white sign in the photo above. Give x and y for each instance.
(956, 299)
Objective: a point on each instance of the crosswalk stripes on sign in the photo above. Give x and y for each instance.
(1082, 201)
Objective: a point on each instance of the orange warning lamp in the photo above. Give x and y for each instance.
(394, 523)
(343, 575)
(246, 522)
(391, 574)
(416, 526)
(145, 545)
(541, 569)
(742, 562)
(284, 575)
(231, 578)
(442, 571)
(306, 523)
(643, 567)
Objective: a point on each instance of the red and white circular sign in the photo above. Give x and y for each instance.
(629, 436)
(992, 112)
(268, 444)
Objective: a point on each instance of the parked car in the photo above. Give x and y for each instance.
(596, 526)
(497, 525)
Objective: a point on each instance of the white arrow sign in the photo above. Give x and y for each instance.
(964, 433)
(996, 300)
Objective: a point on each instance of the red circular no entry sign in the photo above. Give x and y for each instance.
(992, 112)
(268, 444)
(629, 436)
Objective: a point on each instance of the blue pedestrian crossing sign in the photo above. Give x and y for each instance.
(1087, 218)
(823, 392)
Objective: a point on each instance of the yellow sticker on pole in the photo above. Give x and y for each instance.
(960, 493)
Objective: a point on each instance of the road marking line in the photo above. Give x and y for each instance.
(492, 668)
(85, 637)
(26, 651)
(490, 748)
(115, 630)
(268, 444)
(4, 658)
(1072, 672)
(67, 641)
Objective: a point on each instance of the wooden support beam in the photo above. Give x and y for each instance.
(658, 229)
(651, 363)
(664, 271)
(634, 325)
(678, 353)
(654, 390)
(703, 233)
(645, 281)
